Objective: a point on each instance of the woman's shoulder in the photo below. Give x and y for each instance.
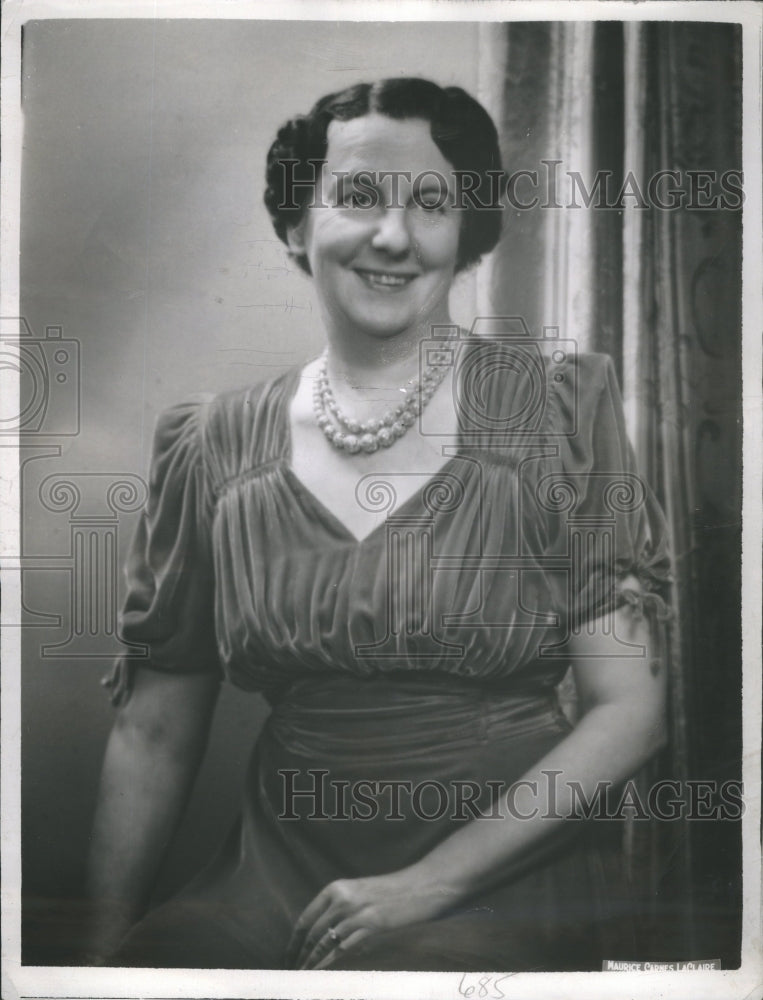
(233, 430)
(575, 385)
(178, 433)
(512, 388)
(587, 372)
(209, 413)
(211, 438)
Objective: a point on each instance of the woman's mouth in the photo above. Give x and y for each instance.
(387, 281)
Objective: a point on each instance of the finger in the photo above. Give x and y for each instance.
(323, 947)
(355, 938)
(305, 921)
(325, 962)
(323, 942)
(317, 940)
(339, 908)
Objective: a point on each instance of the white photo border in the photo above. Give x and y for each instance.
(61, 982)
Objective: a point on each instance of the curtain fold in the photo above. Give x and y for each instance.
(653, 278)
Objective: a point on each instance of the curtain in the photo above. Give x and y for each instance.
(650, 273)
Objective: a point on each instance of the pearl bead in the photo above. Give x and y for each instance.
(354, 436)
(369, 443)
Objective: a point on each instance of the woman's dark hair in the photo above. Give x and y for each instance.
(460, 127)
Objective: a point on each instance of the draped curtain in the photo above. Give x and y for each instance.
(659, 289)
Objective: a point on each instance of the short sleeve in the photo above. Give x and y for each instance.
(616, 531)
(169, 606)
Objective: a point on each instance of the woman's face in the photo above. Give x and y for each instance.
(382, 238)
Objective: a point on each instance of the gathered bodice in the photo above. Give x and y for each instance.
(526, 532)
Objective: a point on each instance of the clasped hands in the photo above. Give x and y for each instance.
(347, 911)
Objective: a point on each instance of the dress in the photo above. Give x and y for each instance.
(426, 654)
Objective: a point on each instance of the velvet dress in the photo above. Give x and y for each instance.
(412, 674)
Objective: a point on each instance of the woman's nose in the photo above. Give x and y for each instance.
(392, 234)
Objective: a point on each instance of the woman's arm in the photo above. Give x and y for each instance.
(623, 725)
(152, 758)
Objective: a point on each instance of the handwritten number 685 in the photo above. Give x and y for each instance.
(481, 989)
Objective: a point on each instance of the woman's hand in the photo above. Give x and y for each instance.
(347, 911)
(622, 728)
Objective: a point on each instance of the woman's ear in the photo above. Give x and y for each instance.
(295, 239)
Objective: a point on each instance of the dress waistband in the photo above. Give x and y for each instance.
(406, 713)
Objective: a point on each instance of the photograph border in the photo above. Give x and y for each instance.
(63, 982)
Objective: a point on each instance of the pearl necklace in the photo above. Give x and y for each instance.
(368, 436)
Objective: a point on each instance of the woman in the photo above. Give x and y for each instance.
(388, 544)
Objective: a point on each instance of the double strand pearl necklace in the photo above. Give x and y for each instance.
(354, 436)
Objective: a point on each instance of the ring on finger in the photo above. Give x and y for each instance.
(333, 935)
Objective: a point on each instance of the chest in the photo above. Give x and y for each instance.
(361, 491)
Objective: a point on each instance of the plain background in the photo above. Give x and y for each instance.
(145, 239)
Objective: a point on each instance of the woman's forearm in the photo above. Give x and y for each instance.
(608, 744)
(148, 773)
(624, 690)
(143, 790)
(142, 795)
(621, 730)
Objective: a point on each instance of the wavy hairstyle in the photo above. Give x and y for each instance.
(460, 127)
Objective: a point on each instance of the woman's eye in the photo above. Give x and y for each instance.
(359, 199)
(431, 203)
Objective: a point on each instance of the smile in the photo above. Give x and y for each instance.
(385, 279)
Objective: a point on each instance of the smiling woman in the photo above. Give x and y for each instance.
(362, 256)
(391, 552)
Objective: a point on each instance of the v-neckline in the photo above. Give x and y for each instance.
(290, 385)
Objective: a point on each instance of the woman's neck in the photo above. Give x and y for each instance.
(368, 367)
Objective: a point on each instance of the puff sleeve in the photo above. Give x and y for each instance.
(169, 606)
(614, 529)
